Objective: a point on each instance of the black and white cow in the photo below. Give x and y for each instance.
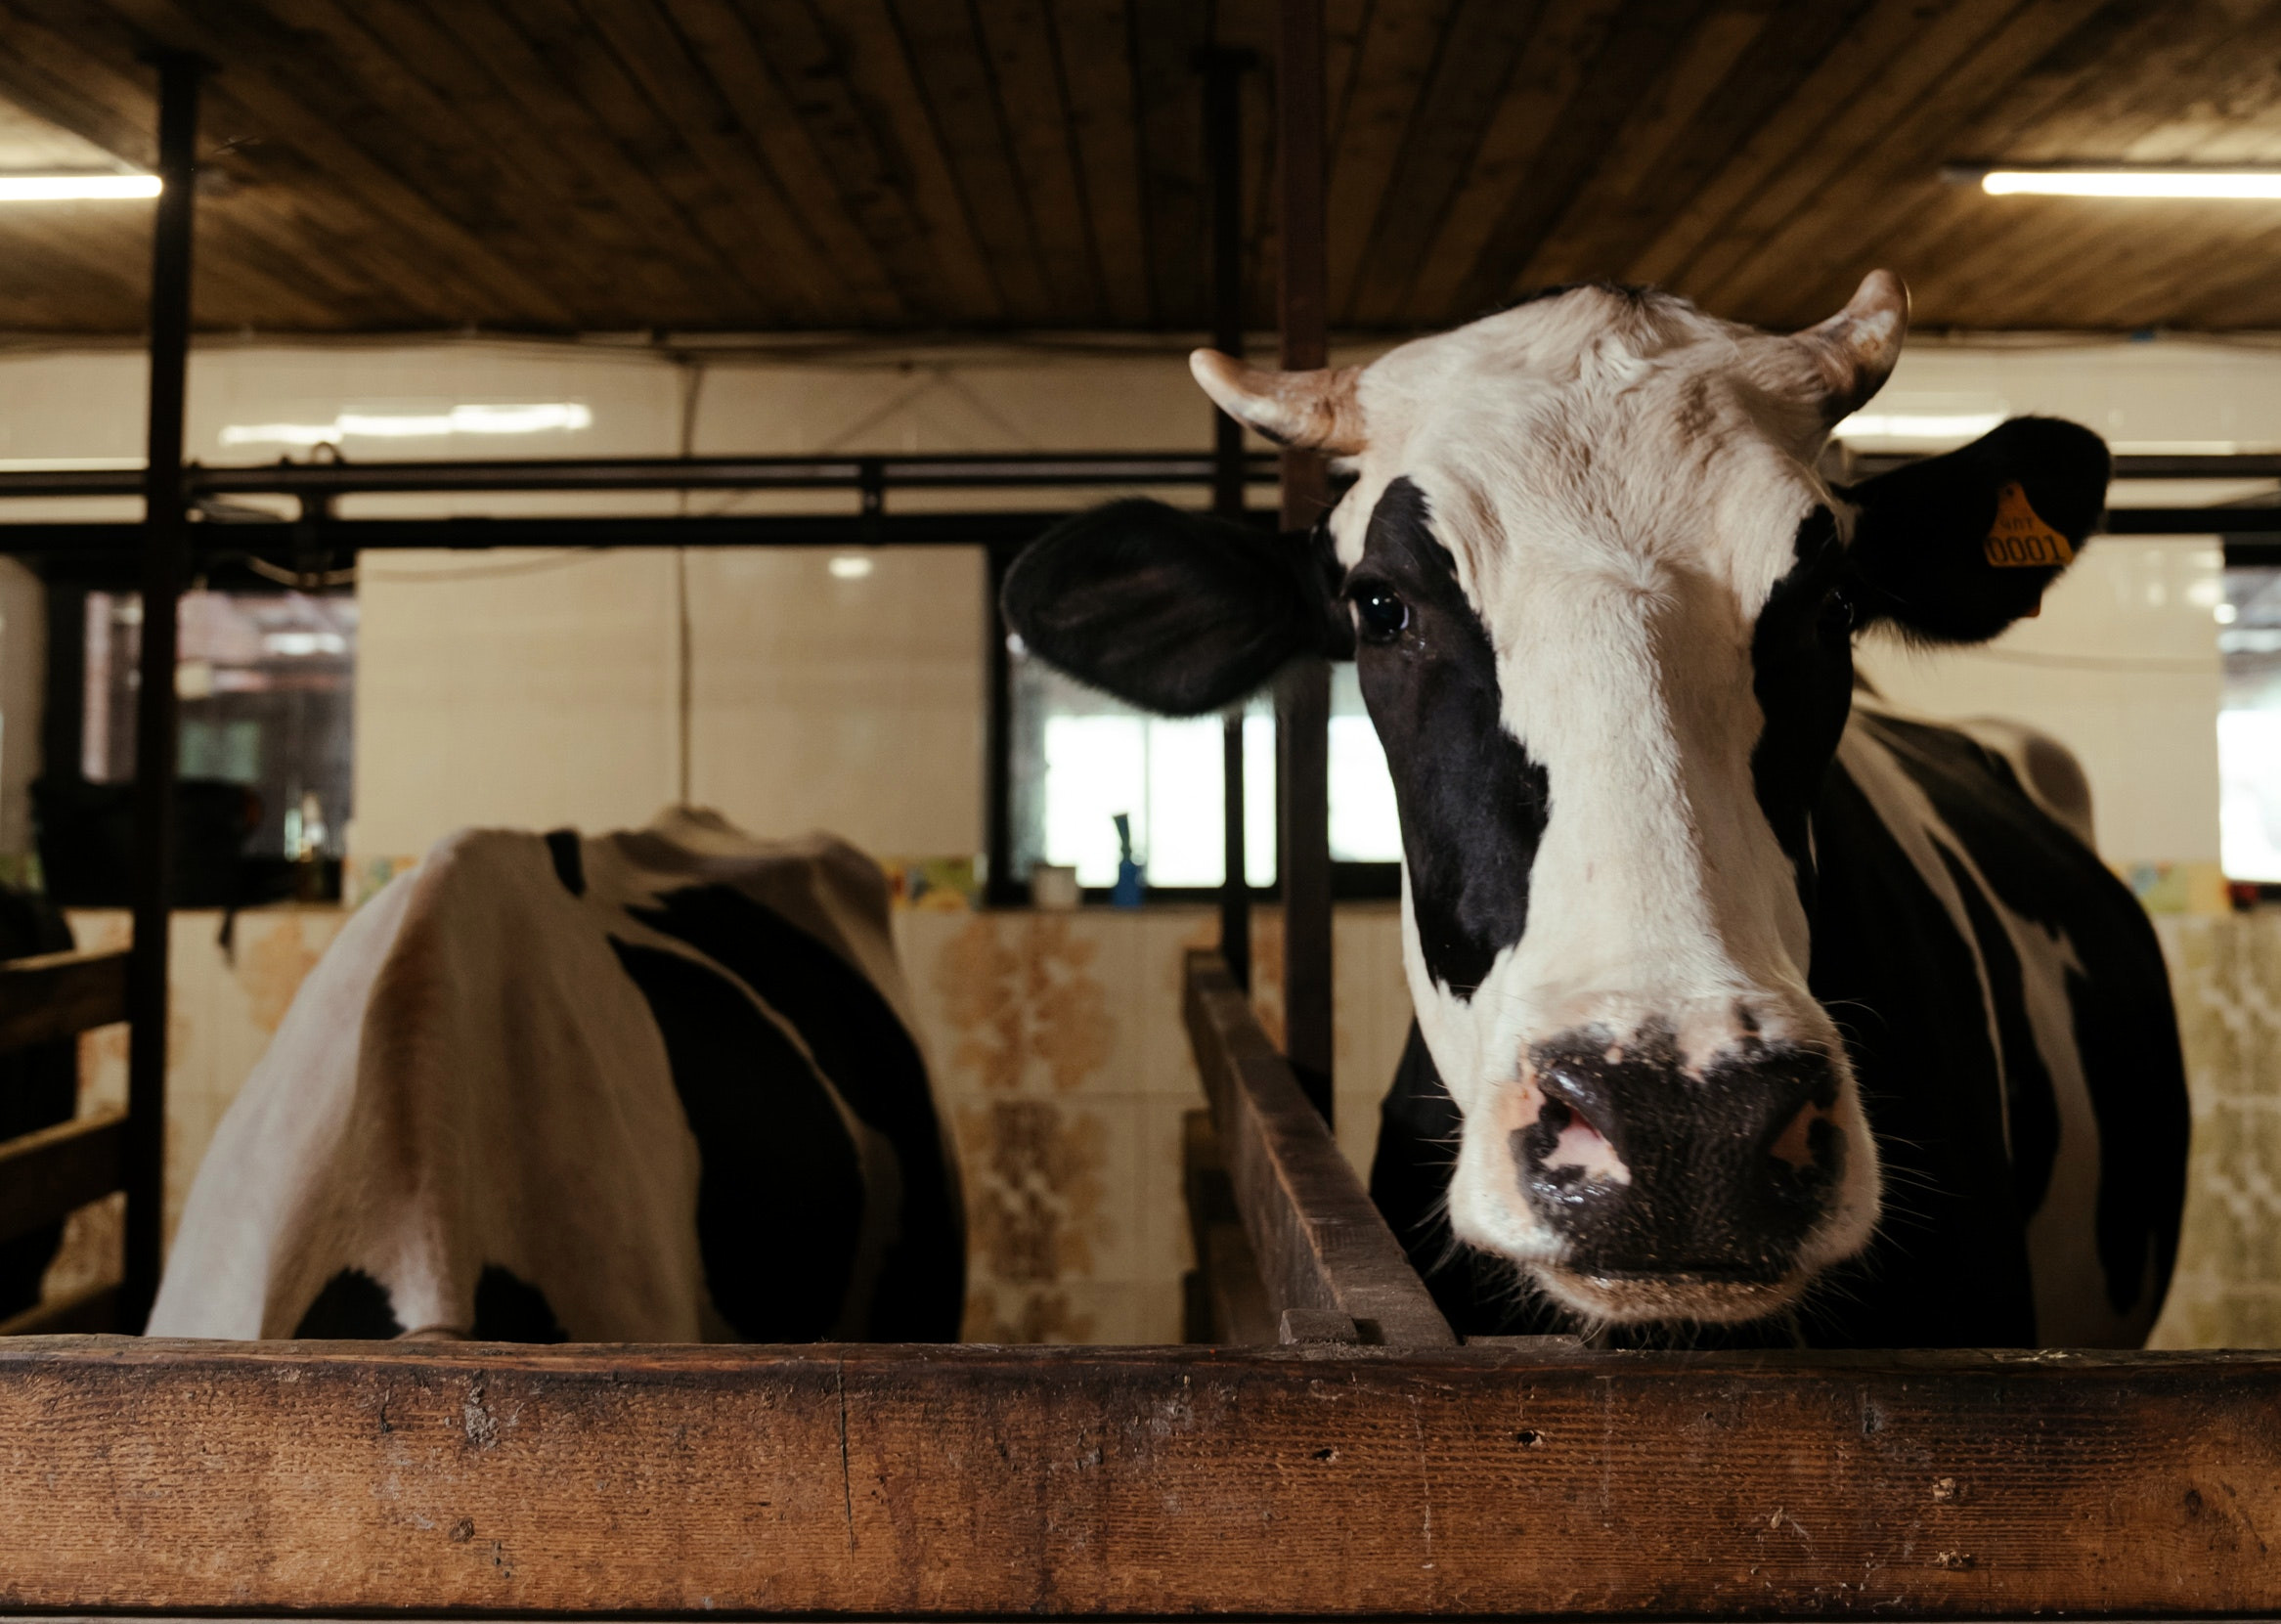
(654, 1086)
(1742, 1000)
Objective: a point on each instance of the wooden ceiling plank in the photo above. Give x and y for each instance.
(66, 255)
(2040, 261)
(72, 86)
(945, 59)
(476, 167)
(1568, 38)
(2123, 283)
(1485, 41)
(1096, 65)
(763, 110)
(1854, 124)
(1400, 54)
(721, 252)
(604, 213)
(1020, 46)
(669, 262)
(117, 99)
(263, 79)
(267, 120)
(2092, 262)
(1169, 99)
(1640, 51)
(854, 91)
(1660, 154)
(1805, 250)
(1862, 52)
(2069, 97)
(775, 244)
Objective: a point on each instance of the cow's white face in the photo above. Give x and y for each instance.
(1567, 527)
(1603, 607)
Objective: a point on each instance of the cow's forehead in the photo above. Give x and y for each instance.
(1628, 424)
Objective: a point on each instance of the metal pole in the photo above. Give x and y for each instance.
(1223, 132)
(165, 544)
(1303, 699)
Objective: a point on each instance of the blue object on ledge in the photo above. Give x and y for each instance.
(1131, 881)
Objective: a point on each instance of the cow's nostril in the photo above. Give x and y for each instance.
(1808, 1147)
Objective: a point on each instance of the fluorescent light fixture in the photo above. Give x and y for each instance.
(1916, 425)
(65, 189)
(849, 566)
(2223, 184)
(564, 416)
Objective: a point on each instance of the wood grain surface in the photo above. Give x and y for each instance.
(59, 995)
(1010, 165)
(57, 1169)
(905, 1483)
(1318, 1241)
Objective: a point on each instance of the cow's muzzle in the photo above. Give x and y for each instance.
(1678, 1192)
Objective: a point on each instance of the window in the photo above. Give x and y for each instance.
(1079, 758)
(266, 682)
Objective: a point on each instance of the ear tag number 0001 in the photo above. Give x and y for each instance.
(2019, 539)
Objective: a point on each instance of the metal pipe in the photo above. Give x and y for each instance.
(165, 546)
(1303, 697)
(1223, 141)
(863, 474)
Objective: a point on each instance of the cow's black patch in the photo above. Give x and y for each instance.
(859, 1043)
(510, 1310)
(780, 1192)
(1802, 671)
(353, 1306)
(1175, 612)
(2126, 1027)
(1473, 803)
(562, 845)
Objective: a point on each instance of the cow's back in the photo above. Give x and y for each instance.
(651, 1086)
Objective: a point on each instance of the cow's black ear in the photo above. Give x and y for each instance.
(1955, 549)
(1178, 613)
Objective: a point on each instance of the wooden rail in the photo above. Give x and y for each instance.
(47, 1174)
(60, 995)
(1320, 1244)
(891, 1482)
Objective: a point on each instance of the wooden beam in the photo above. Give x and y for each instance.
(1319, 1242)
(92, 1312)
(60, 995)
(889, 1482)
(58, 1169)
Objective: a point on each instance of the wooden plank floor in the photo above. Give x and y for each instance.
(902, 1483)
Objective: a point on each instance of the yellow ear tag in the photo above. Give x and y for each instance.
(2019, 539)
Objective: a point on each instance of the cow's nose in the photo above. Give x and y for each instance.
(1646, 1168)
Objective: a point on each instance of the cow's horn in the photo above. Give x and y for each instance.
(1316, 409)
(1857, 347)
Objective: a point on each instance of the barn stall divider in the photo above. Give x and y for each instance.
(1335, 1454)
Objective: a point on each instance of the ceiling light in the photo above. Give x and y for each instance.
(64, 189)
(566, 416)
(849, 566)
(2230, 183)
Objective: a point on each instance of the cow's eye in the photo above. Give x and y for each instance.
(1380, 613)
